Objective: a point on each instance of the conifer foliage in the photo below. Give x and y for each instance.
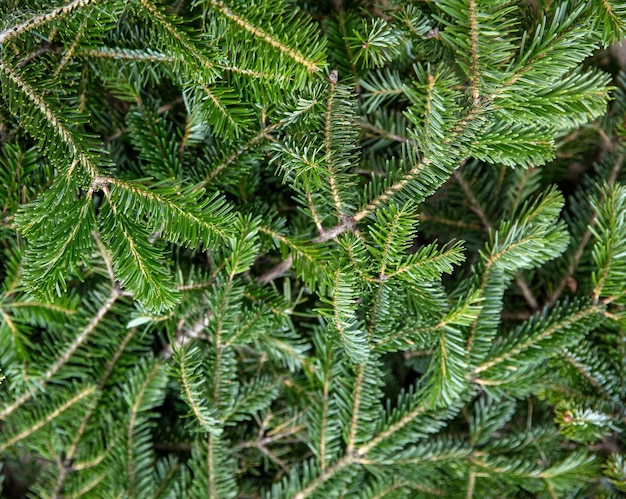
(312, 249)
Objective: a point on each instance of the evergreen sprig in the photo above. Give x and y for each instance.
(312, 249)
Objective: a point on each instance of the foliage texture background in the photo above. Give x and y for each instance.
(312, 249)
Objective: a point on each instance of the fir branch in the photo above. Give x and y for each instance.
(180, 39)
(48, 418)
(80, 432)
(67, 354)
(288, 383)
(190, 371)
(70, 139)
(245, 147)
(80, 339)
(168, 207)
(586, 373)
(137, 266)
(310, 65)
(327, 143)
(558, 326)
(37, 20)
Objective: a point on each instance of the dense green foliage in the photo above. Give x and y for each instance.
(317, 249)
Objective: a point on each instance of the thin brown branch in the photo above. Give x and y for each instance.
(584, 240)
(473, 200)
(276, 271)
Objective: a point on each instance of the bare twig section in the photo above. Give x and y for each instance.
(526, 292)
(474, 80)
(105, 256)
(584, 240)
(345, 224)
(516, 316)
(263, 441)
(185, 335)
(168, 106)
(370, 173)
(129, 55)
(34, 54)
(276, 271)
(381, 132)
(474, 203)
(276, 77)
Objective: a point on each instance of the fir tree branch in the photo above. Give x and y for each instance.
(311, 66)
(192, 392)
(48, 418)
(68, 353)
(91, 485)
(220, 106)
(187, 44)
(317, 482)
(263, 134)
(391, 190)
(37, 20)
(420, 166)
(65, 135)
(327, 144)
(142, 392)
(588, 376)
(546, 333)
(69, 53)
(80, 339)
(313, 210)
